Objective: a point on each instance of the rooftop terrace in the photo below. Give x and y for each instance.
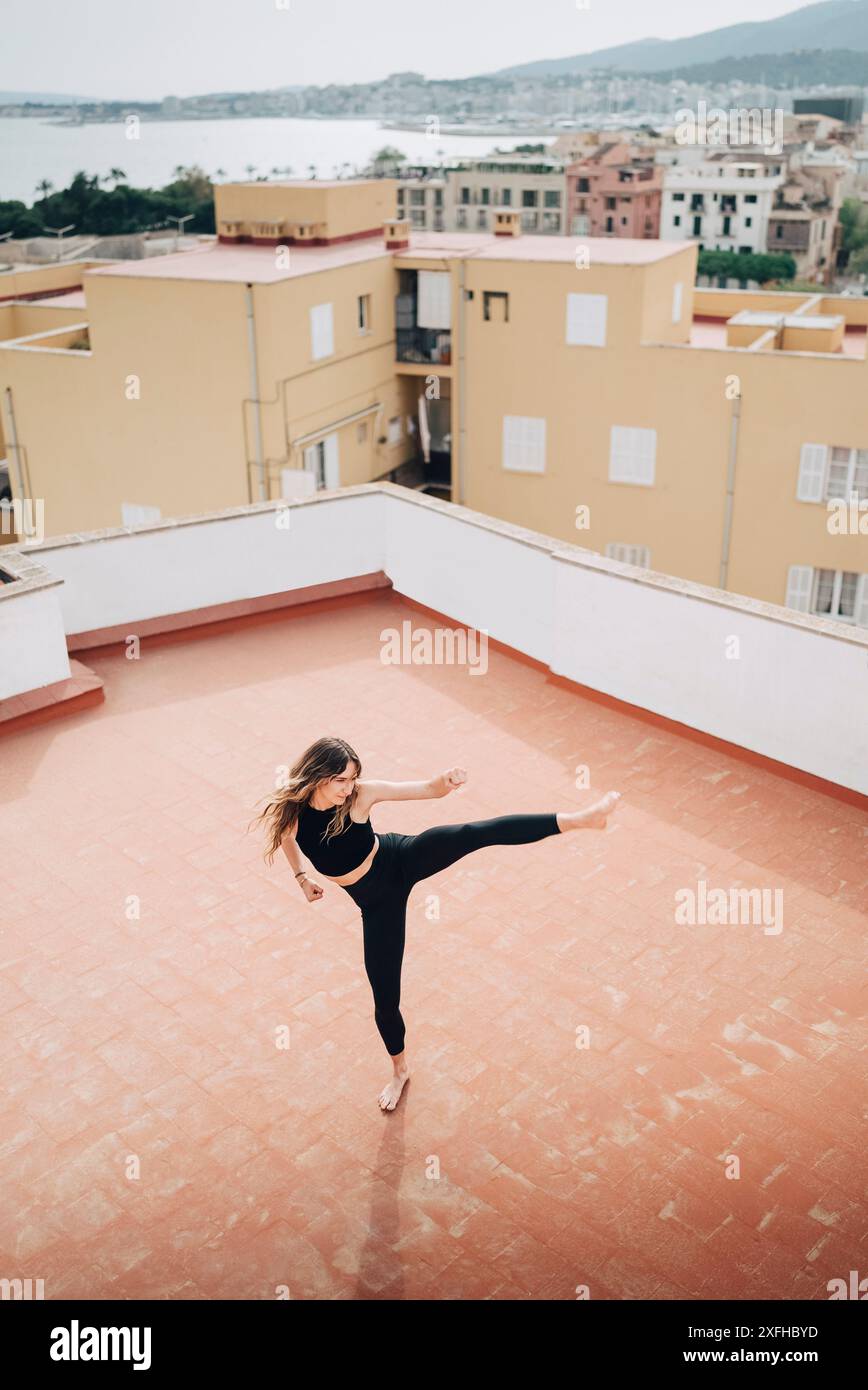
(154, 1033)
(248, 262)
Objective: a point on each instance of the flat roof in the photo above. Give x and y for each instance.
(246, 262)
(152, 1036)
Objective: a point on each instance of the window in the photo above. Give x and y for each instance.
(321, 459)
(581, 225)
(840, 594)
(697, 226)
(322, 331)
(678, 197)
(727, 223)
(677, 298)
(438, 197)
(610, 202)
(551, 222)
(138, 514)
(745, 250)
(506, 197)
(495, 306)
(486, 195)
(629, 554)
(364, 319)
(482, 218)
(583, 186)
(400, 197)
(586, 320)
(552, 198)
(417, 197)
(779, 231)
(623, 221)
(632, 454)
(465, 195)
(524, 444)
(393, 430)
(610, 224)
(676, 221)
(697, 202)
(528, 198)
(748, 221)
(832, 473)
(750, 197)
(460, 217)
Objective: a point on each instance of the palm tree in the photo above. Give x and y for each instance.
(250, 170)
(44, 187)
(311, 171)
(114, 176)
(221, 174)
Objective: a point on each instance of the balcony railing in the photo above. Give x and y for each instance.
(424, 345)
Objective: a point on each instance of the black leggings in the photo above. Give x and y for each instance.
(400, 862)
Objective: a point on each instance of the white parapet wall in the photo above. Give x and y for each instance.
(791, 687)
(32, 639)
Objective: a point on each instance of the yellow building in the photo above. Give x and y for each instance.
(577, 387)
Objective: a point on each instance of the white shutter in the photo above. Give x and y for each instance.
(800, 581)
(296, 482)
(862, 601)
(524, 444)
(586, 320)
(629, 554)
(332, 472)
(677, 298)
(138, 514)
(322, 332)
(812, 473)
(434, 305)
(632, 454)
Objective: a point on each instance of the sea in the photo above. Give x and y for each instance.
(33, 149)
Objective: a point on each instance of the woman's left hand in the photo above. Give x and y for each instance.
(448, 781)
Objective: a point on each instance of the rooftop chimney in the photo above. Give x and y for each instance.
(507, 222)
(397, 234)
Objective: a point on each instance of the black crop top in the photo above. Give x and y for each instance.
(340, 854)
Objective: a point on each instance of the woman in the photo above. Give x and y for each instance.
(324, 811)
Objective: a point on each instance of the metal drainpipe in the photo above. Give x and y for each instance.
(13, 444)
(730, 489)
(254, 392)
(462, 429)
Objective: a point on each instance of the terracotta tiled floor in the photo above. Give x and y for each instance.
(517, 1165)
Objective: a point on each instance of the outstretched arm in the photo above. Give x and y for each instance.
(370, 792)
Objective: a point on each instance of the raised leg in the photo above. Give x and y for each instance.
(425, 854)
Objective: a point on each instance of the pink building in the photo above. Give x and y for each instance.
(614, 192)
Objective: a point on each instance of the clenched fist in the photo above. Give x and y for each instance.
(448, 781)
(311, 889)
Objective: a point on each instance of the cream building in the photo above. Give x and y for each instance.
(580, 388)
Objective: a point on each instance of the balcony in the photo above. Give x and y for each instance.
(431, 346)
(258, 628)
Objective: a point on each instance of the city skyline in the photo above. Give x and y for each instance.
(223, 47)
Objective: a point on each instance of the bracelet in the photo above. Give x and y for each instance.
(302, 873)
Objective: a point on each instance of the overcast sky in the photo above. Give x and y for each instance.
(147, 50)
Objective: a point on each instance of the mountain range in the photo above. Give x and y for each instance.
(831, 24)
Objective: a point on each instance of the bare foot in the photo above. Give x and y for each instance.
(391, 1094)
(594, 818)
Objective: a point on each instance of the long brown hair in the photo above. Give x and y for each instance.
(323, 760)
